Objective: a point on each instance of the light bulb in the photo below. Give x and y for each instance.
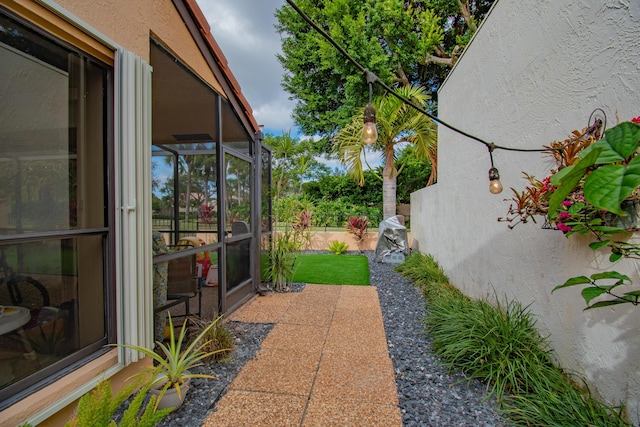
(495, 186)
(369, 131)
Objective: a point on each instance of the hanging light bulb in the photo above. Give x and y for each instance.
(495, 186)
(369, 131)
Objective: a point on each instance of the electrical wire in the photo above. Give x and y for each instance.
(372, 78)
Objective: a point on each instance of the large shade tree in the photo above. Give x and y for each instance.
(397, 123)
(403, 42)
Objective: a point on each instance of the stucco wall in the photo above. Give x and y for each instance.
(532, 75)
(130, 24)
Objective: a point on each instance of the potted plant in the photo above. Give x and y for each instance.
(171, 375)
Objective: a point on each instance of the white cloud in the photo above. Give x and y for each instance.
(245, 31)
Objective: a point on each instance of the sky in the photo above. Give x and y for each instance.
(245, 31)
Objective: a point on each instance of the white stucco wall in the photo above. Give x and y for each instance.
(532, 75)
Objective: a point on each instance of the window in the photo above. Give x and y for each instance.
(54, 209)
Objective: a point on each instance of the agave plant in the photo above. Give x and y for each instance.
(174, 360)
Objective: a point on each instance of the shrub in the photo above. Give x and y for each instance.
(498, 344)
(96, 408)
(281, 260)
(564, 406)
(338, 247)
(357, 225)
(427, 274)
(216, 338)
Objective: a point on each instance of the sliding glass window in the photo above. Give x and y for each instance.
(54, 204)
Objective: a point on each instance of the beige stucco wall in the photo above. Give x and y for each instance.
(320, 240)
(532, 75)
(130, 24)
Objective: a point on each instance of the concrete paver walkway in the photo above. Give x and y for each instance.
(325, 363)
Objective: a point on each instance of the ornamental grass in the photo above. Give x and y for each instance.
(497, 343)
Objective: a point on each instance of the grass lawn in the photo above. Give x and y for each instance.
(329, 269)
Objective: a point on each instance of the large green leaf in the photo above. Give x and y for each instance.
(557, 177)
(606, 303)
(618, 144)
(592, 292)
(580, 280)
(610, 275)
(568, 181)
(599, 244)
(608, 186)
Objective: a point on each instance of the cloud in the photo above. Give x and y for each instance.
(245, 31)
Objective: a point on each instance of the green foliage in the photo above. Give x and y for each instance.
(601, 284)
(325, 213)
(338, 247)
(397, 123)
(394, 39)
(96, 408)
(282, 257)
(357, 225)
(500, 345)
(562, 406)
(428, 275)
(414, 174)
(595, 192)
(610, 170)
(217, 340)
(174, 359)
(343, 187)
(293, 162)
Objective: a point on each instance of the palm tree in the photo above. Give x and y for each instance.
(397, 123)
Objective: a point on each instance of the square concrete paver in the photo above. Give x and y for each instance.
(285, 336)
(325, 295)
(342, 413)
(279, 371)
(251, 409)
(306, 314)
(263, 309)
(343, 378)
(324, 363)
(360, 340)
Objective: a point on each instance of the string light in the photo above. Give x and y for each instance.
(495, 185)
(369, 130)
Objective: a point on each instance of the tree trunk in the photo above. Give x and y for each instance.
(389, 176)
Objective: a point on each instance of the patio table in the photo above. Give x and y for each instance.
(13, 318)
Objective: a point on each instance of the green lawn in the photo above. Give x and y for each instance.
(329, 269)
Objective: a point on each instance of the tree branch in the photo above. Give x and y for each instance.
(465, 11)
(439, 60)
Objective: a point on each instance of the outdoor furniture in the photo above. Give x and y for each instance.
(13, 318)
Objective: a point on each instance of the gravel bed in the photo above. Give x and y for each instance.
(428, 394)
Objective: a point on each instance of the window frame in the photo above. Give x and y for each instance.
(51, 373)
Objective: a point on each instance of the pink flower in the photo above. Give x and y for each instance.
(566, 203)
(564, 227)
(564, 215)
(636, 120)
